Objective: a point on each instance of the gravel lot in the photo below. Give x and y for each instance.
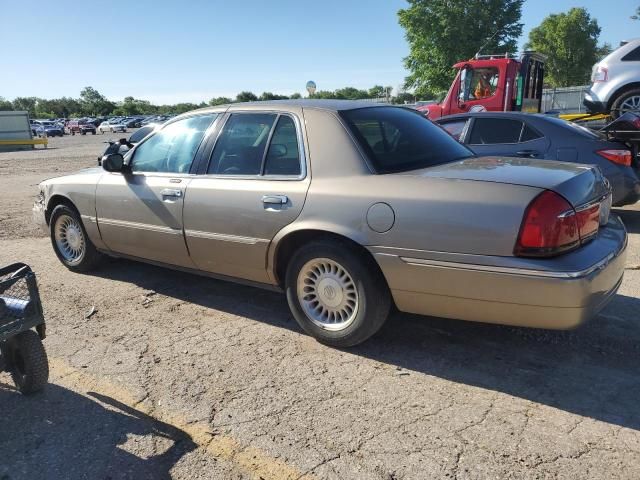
(178, 376)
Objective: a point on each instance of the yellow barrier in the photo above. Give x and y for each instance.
(32, 141)
(584, 117)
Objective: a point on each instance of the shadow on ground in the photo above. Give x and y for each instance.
(631, 219)
(59, 434)
(592, 371)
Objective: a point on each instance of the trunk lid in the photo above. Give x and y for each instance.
(579, 184)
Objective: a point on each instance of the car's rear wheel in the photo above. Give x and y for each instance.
(629, 101)
(71, 242)
(336, 294)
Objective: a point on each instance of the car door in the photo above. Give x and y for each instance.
(255, 184)
(508, 137)
(140, 213)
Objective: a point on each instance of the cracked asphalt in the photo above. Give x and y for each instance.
(179, 376)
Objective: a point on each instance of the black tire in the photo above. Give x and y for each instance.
(90, 258)
(28, 362)
(373, 297)
(93, 132)
(617, 103)
(84, 132)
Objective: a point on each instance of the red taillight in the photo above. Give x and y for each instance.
(621, 157)
(549, 226)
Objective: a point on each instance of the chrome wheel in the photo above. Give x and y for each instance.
(69, 239)
(631, 104)
(327, 294)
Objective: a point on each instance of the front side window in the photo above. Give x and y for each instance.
(488, 131)
(396, 139)
(172, 149)
(483, 84)
(455, 128)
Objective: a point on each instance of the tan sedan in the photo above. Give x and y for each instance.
(349, 208)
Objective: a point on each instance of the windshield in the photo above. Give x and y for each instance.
(397, 139)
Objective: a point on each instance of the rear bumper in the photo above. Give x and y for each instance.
(594, 104)
(508, 295)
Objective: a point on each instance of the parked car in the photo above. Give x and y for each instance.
(80, 126)
(517, 134)
(349, 209)
(112, 126)
(616, 81)
(42, 127)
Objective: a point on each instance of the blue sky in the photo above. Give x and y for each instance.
(192, 50)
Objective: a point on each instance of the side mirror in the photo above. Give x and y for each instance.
(277, 150)
(113, 163)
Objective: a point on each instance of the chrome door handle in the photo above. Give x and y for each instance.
(275, 199)
(171, 192)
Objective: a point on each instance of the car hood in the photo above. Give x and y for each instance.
(577, 183)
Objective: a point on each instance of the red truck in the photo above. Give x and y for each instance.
(493, 83)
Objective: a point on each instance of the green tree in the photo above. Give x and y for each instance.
(219, 101)
(570, 42)
(25, 103)
(295, 96)
(94, 103)
(5, 104)
(246, 97)
(441, 33)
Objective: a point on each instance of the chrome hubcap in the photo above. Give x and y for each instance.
(328, 294)
(631, 104)
(69, 239)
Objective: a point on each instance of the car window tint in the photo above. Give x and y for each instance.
(632, 56)
(397, 139)
(240, 147)
(173, 148)
(283, 157)
(140, 134)
(455, 129)
(495, 130)
(529, 133)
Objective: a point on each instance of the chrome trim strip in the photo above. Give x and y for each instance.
(513, 270)
(592, 203)
(225, 238)
(88, 218)
(140, 226)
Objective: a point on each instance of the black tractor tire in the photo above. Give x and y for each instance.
(28, 362)
(373, 296)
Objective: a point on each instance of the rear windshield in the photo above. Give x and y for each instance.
(398, 139)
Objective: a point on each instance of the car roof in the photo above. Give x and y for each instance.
(330, 105)
(514, 115)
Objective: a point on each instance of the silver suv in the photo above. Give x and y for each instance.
(616, 81)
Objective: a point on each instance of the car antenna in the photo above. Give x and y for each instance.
(485, 44)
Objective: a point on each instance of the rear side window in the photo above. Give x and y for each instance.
(488, 131)
(397, 139)
(632, 56)
(283, 157)
(241, 145)
(529, 133)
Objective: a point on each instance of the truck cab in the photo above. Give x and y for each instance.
(493, 83)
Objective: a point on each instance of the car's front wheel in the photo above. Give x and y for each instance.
(71, 242)
(336, 294)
